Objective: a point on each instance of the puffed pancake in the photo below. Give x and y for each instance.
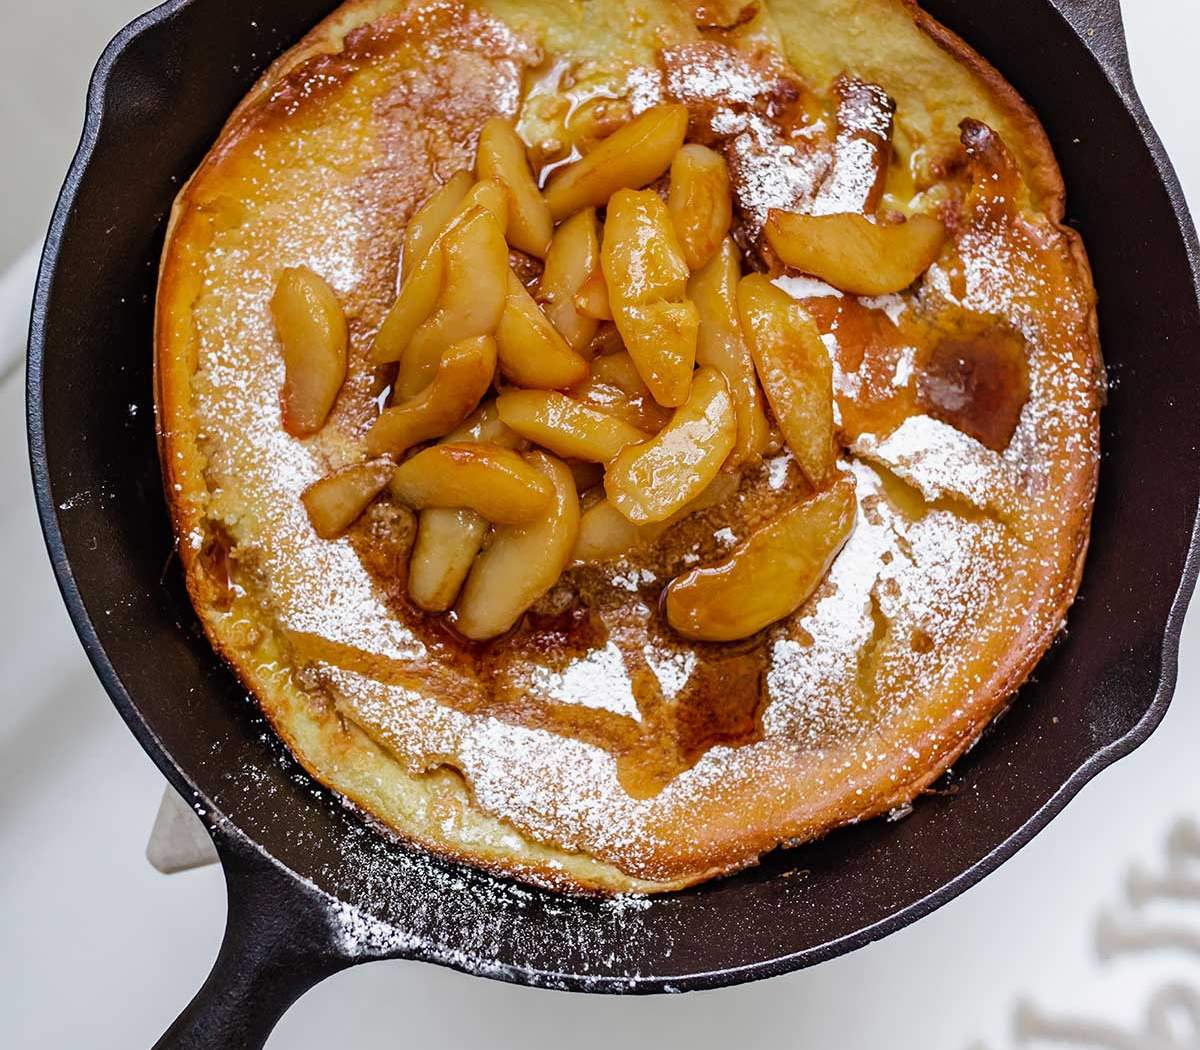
(613, 439)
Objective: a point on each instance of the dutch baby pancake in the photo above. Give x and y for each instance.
(612, 439)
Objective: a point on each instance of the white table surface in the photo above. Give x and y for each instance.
(98, 950)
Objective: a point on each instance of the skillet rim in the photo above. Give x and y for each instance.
(1109, 54)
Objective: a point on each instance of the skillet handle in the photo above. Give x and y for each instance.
(1101, 28)
(279, 943)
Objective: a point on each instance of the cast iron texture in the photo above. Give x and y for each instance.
(311, 888)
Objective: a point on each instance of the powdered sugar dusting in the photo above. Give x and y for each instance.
(597, 680)
(942, 461)
(801, 287)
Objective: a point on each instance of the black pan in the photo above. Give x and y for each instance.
(311, 889)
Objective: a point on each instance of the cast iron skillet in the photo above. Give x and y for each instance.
(312, 890)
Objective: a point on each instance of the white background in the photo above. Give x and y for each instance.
(97, 950)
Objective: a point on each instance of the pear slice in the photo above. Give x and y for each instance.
(447, 543)
(523, 562)
(795, 370)
(699, 202)
(854, 253)
(566, 427)
(501, 157)
(720, 344)
(335, 503)
(471, 301)
(605, 533)
(431, 219)
(641, 257)
(426, 276)
(769, 575)
(485, 427)
(651, 481)
(646, 275)
(592, 299)
(630, 158)
(494, 482)
(532, 353)
(312, 330)
(572, 263)
(464, 375)
(449, 539)
(417, 300)
(661, 338)
(615, 387)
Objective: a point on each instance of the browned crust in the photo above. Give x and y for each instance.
(1042, 172)
(183, 469)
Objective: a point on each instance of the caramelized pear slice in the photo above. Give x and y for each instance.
(335, 503)
(566, 427)
(489, 195)
(532, 353)
(641, 258)
(471, 301)
(484, 426)
(647, 276)
(768, 576)
(417, 300)
(571, 263)
(592, 299)
(661, 339)
(605, 533)
(446, 545)
(795, 370)
(312, 330)
(651, 481)
(523, 562)
(492, 481)
(855, 254)
(431, 219)
(615, 387)
(714, 291)
(501, 157)
(619, 370)
(699, 202)
(632, 157)
(464, 375)
(429, 278)
(448, 540)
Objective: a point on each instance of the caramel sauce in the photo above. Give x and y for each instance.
(720, 704)
(965, 369)
(872, 358)
(978, 383)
